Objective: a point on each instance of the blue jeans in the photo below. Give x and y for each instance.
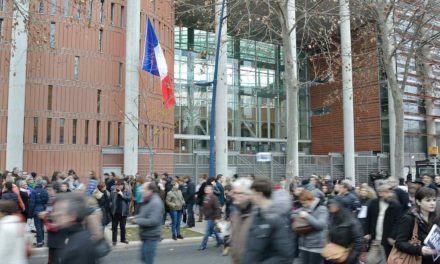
(190, 215)
(209, 230)
(39, 226)
(149, 248)
(176, 218)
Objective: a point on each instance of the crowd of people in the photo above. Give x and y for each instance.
(255, 219)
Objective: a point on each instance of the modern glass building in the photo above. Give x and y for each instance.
(256, 94)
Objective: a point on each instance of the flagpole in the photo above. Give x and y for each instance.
(214, 95)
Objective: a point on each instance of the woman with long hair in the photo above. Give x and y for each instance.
(423, 214)
(344, 230)
(366, 195)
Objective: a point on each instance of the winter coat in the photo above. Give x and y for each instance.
(270, 237)
(38, 201)
(189, 192)
(25, 198)
(103, 199)
(126, 197)
(91, 186)
(201, 194)
(403, 198)
(318, 219)
(79, 247)
(351, 202)
(11, 196)
(221, 193)
(138, 193)
(347, 233)
(12, 240)
(175, 200)
(404, 234)
(390, 221)
(241, 220)
(211, 208)
(150, 218)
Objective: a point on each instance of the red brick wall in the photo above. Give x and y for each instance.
(327, 130)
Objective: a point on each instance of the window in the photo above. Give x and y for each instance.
(86, 133)
(101, 32)
(49, 97)
(41, 8)
(76, 70)
(98, 101)
(74, 125)
(1, 28)
(49, 131)
(119, 133)
(109, 133)
(62, 121)
(90, 10)
(35, 133)
(321, 111)
(121, 68)
(112, 13)
(54, 8)
(78, 9)
(2, 5)
(98, 131)
(101, 12)
(121, 24)
(66, 8)
(52, 34)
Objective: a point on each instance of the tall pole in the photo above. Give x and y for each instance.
(347, 87)
(17, 87)
(292, 99)
(215, 84)
(131, 125)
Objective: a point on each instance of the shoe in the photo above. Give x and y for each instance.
(201, 248)
(189, 226)
(114, 243)
(174, 238)
(33, 231)
(219, 244)
(180, 237)
(40, 245)
(125, 242)
(199, 221)
(225, 251)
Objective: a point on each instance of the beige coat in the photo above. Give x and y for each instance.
(240, 222)
(175, 200)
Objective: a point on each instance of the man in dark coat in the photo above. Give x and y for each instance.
(189, 192)
(120, 198)
(383, 217)
(38, 202)
(69, 213)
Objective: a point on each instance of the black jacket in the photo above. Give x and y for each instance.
(403, 198)
(347, 232)
(189, 192)
(270, 239)
(390, 221)
(404, 234)
(79, 248)
(201, 194)
(11, 196)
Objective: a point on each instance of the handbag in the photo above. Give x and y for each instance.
(102, 248)
(335, 253)
(399, 257)
(301, 226)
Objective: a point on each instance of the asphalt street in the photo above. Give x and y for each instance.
(170, 253)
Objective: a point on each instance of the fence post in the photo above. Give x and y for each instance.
(196, 168)
(271, 168)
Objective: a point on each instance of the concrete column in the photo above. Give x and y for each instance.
(191, 108)
(132, 48)
(347, 87)
(237, 107)
(17, 87)
(221, 117)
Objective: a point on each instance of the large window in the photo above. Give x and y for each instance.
(76, 68)
(101, 12)
(86, 132)
(101, 33)
(90, 10)
(121, 22)
(78, 9)
(109, 133)
(54, 8)
(49, 131)
(1, 29)
(119, 133)
(62, 122)
(98, 132)
(66, 8)
(53, 28)
(35, 131)
(74, 128)
(2, 5)
(49, 97)
(41, 7)
(112, 13)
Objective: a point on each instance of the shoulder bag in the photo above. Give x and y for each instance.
(335, 253)
(399, 257)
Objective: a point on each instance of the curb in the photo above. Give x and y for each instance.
(41, 252)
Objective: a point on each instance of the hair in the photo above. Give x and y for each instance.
(203, 177)
(219, 176)
(55, 176)
(22, 183)
(165, 174)
(113, 174)
(8, 207)
(120, 182)
(100, 185)
(152, 187)
(140, 180)
(427, 192)
(8, 186)
(76, 205)
(263, 185)
(347, 185)
(371, 194)
(306, 196)
(243, 183)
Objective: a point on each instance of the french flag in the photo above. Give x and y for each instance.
(154, 62)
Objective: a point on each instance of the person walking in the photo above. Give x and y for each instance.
(175, 203)
(38, 202)
(424, 216)
(189, 194)
(12, 234)
(270, 237)
(312, 242)
(344, 230)
(212, 211)
(120, 198)
(221, 190)
(149, 220)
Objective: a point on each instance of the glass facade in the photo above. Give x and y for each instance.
(256, 94)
